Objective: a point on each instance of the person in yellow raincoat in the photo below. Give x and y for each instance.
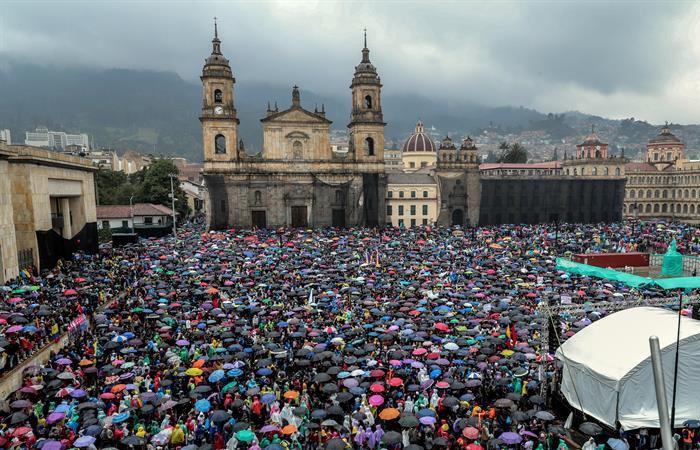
(178, 436)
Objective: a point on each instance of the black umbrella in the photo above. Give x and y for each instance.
(391, 438)
(409, 421)
(590, 428)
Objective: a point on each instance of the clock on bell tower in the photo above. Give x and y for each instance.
(219, 121)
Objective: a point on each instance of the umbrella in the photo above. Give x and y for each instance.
(337, 444)
(590, 428)
(202, 405)
(389, 414)
(409, 421)
(510, 438)
(544, 415)
(391, 438)
(245, 435)
(84, 441)
(470, 433)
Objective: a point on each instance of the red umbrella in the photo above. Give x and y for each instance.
(471, 433)
(69, 292)
(441, 326)
(396, 382)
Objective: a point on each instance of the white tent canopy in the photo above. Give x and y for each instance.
(607, 367)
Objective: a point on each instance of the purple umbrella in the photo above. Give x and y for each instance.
(182, 342)
(78, 393)
(84, 441)
(52, 445)
(511, 438)
(269, 429)
(427, 420)
(351, 382)
(63, 361)
(55, 417)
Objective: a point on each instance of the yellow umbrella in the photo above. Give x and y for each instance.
(193, 372)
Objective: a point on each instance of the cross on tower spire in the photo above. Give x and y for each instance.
(365, 37)
(216, 31)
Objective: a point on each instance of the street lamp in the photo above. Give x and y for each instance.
(172, 202)
(131, 207)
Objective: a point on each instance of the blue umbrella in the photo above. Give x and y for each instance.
(202, 405)
(264, 371)
(235, 373)
(119, 418)
(216, 376)
(268, 399)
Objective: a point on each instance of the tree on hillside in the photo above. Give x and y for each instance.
(512, 153)
(113, 188)
(155, 187)
(491, 157)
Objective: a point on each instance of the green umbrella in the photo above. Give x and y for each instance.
(229, 386)
(245, 436)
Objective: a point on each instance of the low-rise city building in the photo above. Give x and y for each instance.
(47, 208)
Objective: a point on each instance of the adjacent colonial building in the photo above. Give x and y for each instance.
(666, 185)
(47, 208)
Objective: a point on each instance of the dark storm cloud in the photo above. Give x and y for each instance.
(489, 52)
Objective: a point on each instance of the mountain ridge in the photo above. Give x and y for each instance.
(157, 111)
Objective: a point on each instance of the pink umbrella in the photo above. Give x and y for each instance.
(14, 329)
(376, 400)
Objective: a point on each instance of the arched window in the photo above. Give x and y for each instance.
(258, 197)
(656, 207)
(692, 209)
(656, 193)
(617, 171)
(607, 170)
(664, 194)
(595, 171)
(368, 101)
(339, 197)
(297, 150)
(575, 171)
(648, 208)
(218, 96)
(632, 193)
(369, 146)
(685, 209)
(648, 193)
(220, 144)
(664, 208)
(583, 170)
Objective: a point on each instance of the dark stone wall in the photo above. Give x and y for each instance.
(52, 246)
(217, 202)
(538, 200)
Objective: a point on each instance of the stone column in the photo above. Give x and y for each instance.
(65, 210)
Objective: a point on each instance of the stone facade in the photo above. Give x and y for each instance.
(412, 200)
(296, 180)
(47, 207)
(666, 186)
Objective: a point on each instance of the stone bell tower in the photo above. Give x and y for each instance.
(367, 121)
(219, 121)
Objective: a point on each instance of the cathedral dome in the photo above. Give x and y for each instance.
(419, 141)
(665, 137)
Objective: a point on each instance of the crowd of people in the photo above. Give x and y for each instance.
(297, 339)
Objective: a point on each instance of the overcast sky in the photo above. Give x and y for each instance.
(616, 59)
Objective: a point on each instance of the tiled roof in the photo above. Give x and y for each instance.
(639, 167)
(543, 165)
(124, 211)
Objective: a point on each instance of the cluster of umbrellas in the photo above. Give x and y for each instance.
(326, 339)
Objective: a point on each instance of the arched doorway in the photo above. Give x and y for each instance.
(457, 217)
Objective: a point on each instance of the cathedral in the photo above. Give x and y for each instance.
(297, 179)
